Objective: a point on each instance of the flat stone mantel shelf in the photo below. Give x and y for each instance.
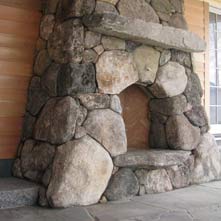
(152, 159)
(145, 32)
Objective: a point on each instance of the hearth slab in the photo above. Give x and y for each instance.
(145, 32)
(152, 159)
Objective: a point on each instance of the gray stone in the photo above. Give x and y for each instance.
(115, 72)
(194, 91)
(66, 43)
(137, 9)
(171, 80)
(169, 106)
(28, 126)
(178, 21)
(80, 132)
(164, 17)
(113, 2)
(181, 134)
(105, 7)
(95, 101)
(57, 121)
(51, 6)
(16, 193)
(182, 58)
(76, 78)
(131, 46)
(147, 62)
(163, 6)
(42, 200)
(144, 32)
(158, 118)
(77, 8)
(178, 5)
(151, 159)
(111, 43)
(157, 136)
(86, 160)
(36, 96)
(49, 79)
(90, 56)
(197, 116)
(16, 169)
(165, 57)
(115, 104)
(207, 165)
(154, 181)
(180, 176)
(99, 49)
(47, 26)
(47, 176)
(42, 62)
(41, 44)
(36, 157)
(123, 185)
(92, 39)
(82, 114)
(108, 128)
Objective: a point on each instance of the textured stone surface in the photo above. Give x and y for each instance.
(171, 81)
(165, 57)
(41, 62)
(207, 165)
(57, 121)
(113, 2)
(76, 78)
(35, 158)
(163, 6)
(181, 134)
(99, 49)
(90, 56)
(95, 101)
(77, 8)
(51, 6)
(49, 80)
(17, 193)
(197, 116)
(115, 104)
(111, 43)
(105, 7)
(66, 43)
(28, 126)
(151, 159)
(36, 96)
(122, 185)
(169, 106)
(89, 162)
(47, 25)
(147, 61)
(108, 128)
(92, 39)
(137, 9)
(115, 72)
(144, 32)
(154, 181)
(181, 57)
(194, 90)
(177, 20)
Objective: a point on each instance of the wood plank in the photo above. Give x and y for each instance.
(8, 152)
(12, 109)
(18, 83)
(10, 125)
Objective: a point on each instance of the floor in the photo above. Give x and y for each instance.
(198, 203)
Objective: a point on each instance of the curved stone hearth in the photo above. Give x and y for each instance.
(74, 140)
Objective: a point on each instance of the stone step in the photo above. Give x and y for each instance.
(145, 32)
(17, 193)
(151, 159)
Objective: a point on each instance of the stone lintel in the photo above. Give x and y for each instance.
(145, 32)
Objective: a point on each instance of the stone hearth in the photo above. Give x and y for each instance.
(74, 140)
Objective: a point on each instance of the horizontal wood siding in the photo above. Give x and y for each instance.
(19, 27)
(197, 17)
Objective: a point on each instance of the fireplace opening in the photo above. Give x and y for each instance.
(135, 106)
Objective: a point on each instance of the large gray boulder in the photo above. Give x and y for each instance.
(181, 134)
(147, 61)
(154, 181)
(207, 165)
(151, 159)
(123, 185)
(144, 32)
(81, 171)
(57, 121)
(115, 72)
(66, 43)
(171, 80)
(107, 127)
(137, 9)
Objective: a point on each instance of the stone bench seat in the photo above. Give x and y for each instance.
(151, 159)
(145, 32)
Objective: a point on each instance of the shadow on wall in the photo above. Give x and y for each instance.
(5, 168)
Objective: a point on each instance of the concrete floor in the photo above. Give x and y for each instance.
(196, 203)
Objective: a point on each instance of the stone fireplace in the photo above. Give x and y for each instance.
(114, 107)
